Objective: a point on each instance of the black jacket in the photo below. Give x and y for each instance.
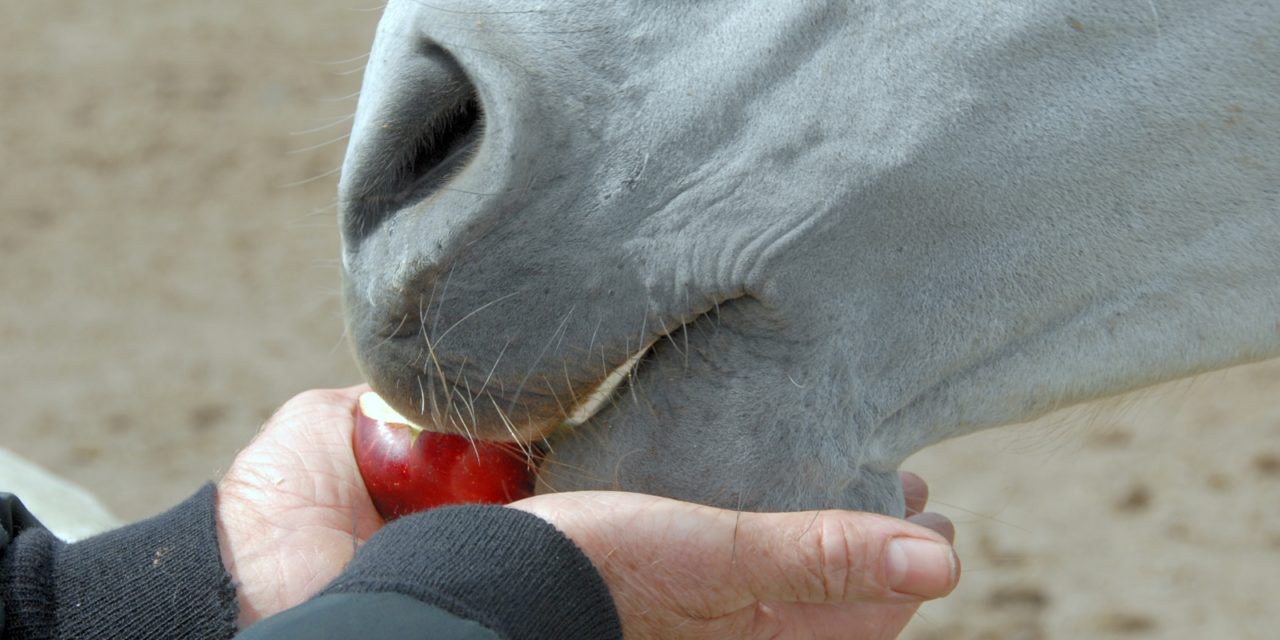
(457, 573)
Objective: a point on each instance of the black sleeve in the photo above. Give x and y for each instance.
(459, 573)
(159, 578)
(14, 519)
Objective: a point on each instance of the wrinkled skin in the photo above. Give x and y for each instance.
(845, 230)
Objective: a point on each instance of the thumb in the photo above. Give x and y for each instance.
(835, 557)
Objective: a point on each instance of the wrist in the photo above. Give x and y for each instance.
(235, 525)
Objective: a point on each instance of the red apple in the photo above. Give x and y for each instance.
(408, 469)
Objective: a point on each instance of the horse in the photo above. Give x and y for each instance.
(754, 254)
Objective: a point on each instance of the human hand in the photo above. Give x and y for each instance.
(683, 571)
(292, 508)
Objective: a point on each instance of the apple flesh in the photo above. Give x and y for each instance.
(407, 469)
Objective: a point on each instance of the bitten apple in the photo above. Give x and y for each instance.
(408, 469)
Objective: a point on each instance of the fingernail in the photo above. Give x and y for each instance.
(921, 567)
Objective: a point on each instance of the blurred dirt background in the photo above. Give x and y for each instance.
(168, 250)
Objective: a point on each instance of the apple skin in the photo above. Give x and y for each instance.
(406, 469)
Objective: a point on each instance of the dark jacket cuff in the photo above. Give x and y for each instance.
(506, 569)
(158, 578)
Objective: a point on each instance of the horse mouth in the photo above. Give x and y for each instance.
(578, 414)
(590, 405)
(447, 394)
(585, 406)
(615, 383)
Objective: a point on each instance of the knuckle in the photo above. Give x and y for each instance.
(309, 404)
(845, 566)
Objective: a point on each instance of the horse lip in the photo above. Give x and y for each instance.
(586, 408)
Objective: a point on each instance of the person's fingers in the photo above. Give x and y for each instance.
(841, 557)
(318, 406)
(291, 502)
(801, 620)
(777, 575)
(937, 522)
(915, 491)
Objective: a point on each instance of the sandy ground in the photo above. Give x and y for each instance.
(168, 251)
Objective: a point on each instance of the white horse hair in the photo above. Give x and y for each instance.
(842, 230)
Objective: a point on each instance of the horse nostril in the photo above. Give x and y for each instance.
(428, 134)
(442, 142)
